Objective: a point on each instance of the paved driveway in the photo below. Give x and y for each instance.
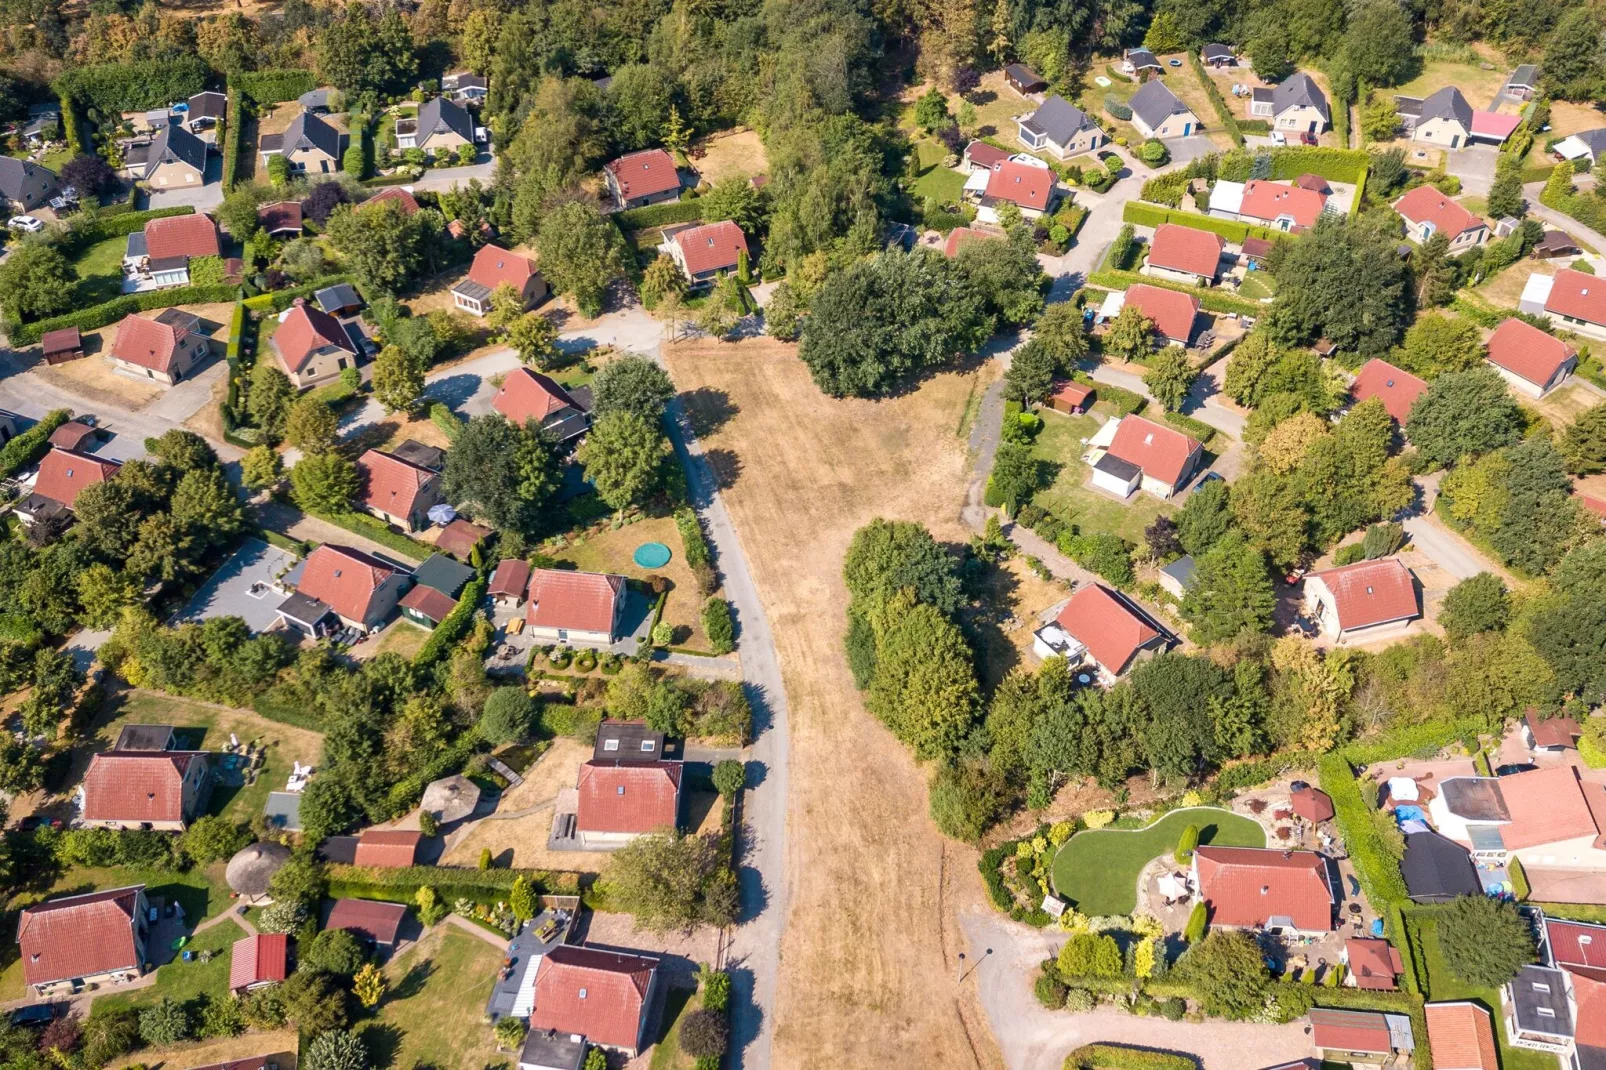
(1474, 166)
(1183, 149)
(209, 195)
(439, 178)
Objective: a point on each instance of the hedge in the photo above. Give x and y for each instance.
(1519, 879)
(1200, 430)
(233, 134)
(279, 300)
(657, 215)
(1258, 771)
(229, 406)
(71, 132)
(32, 444)
(113, 88)
(1119, 1057)
(1375, 868)
(1223, 112)
(274, 86)
(1117, 107)
(377, 530)
(1209, 300)
(1123, 401)
(1152, 215)
(114, 225)
(694, 547)
(97, 316)
(1336, 165)
(487, 886)
(1477, 311)
(1590, 912)
(450, 630)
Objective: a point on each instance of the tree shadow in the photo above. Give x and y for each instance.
(981, 97)
(708, 409)
(725, 465)
(675, 1000)
(413, 981)
(383, 1042)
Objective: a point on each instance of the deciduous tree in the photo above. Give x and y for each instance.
(623, 456)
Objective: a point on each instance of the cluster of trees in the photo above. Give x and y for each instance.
(1345, 281)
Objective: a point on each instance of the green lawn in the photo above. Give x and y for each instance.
(100, 271)
(1068, 496)
(1478, 85)
(433, 1014)
(1444, 985)
(936, 182)
(404, 639)
(666, 1055)
(183, 981)
(1256, 285)
(1097, 870)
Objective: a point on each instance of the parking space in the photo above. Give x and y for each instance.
(249, 585)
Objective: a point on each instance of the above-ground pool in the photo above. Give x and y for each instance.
(651, 555)
(1409, 813)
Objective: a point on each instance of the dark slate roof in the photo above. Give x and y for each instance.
(1060, 120)
(1448, 103)
(1024, 74)
(145, 737)
(632, 740)
(307, 131)
(1115, 466)
(1215, 51)
(340, 295)
(1300, 91)
(443, 574)
(414, 452)
(1525, 75)
(175, 144)
(27, 183)
(1154, 103)
(304, 608)
(1539, 1001)
(1436, 867)
(1181, 570)
(1141, 58)
(1595, 139)
(314, 98)
(208, 105)
(1475, 798)
(442, 115)
(551, 1048)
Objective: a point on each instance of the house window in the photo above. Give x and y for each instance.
(610, 744)
(649, 745)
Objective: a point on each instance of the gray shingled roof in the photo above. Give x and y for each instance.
(1447, 103)
(307, 131)
(207, 105)
(1300, 91)
(1595, 140)
(441, 115)
(1525, 75)
(1060, 120)
(175, 144)
(1215, 51)
(25, 183)
(1154, 103)
(1142, 58)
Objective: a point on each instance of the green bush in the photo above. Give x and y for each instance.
(658, 215)
(113, 88)
(1124, 402)
(1186, 845)
(274, 86)
(32, 444)
(1375, 867)
(1050, 991)
(1116, 1057)
(1336, 165)
(1117, 107)
(449, 631)
(233, 135)
(1198, 429)
(1198, 920)
(450, 882)
(717, 625)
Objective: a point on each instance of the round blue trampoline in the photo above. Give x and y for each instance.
(651, 555)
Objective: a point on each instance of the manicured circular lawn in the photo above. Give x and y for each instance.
(1097, 870)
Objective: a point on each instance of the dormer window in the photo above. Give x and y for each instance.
(610, 744)
(652, 745)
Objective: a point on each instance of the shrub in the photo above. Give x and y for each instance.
(729, 776)
(1116, 107)
(1097, 819)
(164, 1023)
(427, 824)
(717, 625)
(1485, 941)
(285, 916)
(704, 1034)
(335, 951)
(1079, 1000)
(1116, 1057)
(1173, 1008)
(1050, 991)
(1348, 555)
(1197, 920)
(1090, 955)
(1186, 845)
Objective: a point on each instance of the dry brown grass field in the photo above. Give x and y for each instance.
(869, 957)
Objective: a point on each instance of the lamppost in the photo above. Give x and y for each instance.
(964, 973)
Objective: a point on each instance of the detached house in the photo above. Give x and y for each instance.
(406, 203)
(577, 608)
(1157, 112)
(494, 267)
(621, 799)
(1363, 600)
(311, 146)
(1104, 630)
(1278, 205)
(1570, 299)
(705, 252)
(1031, 187)
(1183, 254)
(1529, 359)
(1262, 888)
(1586, 145)
(530, 396)
(465, 85)
(1544, 818)
(1140, 61)
(164, 249)
(1060, 128)
(312, 346)
(1132, 452)
(642, 178)
(62, 475)
(1218, 56)
(1171, 311)
(80, 940)
(442, 126)
(1297, 104)
(174, 158)
(1397, 388)
(1426, 212)
(165, 348)
(397, 491)
(604, 998)
(344, 584)
(26, 185)
(161, 790)
(1445, 118)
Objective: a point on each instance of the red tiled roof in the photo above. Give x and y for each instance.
(1427, 205)
(1370, 592)
(133, 786)
(600, 995)
(391, 485)
(1312, 804)
(1069, 390)
(984, 155)
(1271, 201)
(576, 601)
(1494, 124)
(1162, 452)
(1553, 731)
(1524, 350)
(495, 266)
(619, 796)
(528, 395)
(1575, 945)
(512, 576)
(1590, 1031)
(1583, 297)
(1593, 504)
(711, 247)
(1461, 1036)
(388, 848)
(181, 235)
(961, 236)
(281, 215)
(1374, 963)
(1396, 388)
(71, 435)
(1246, 886)
(1546, 806)
(644, 173)
(1315, 183)
(258, 960)
(1171, 311)
(1336, 1030)
(1021, 184)
(459, 538)
(343, 579)
(369, 918)
(303, 330)
(64, 473)
(146, 343)
(1104, 622)
(79, 935)
(63, 341)
(409, 203)
(429, 602)
(1180, 248)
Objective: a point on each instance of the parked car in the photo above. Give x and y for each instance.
(31, 224)
(36, 1014)
(1307, 138)
(1277, 138)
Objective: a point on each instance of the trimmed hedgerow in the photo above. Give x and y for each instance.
(657, 215)
(1116, 1057)
(275, 86)
(32, 444)
(97, 316)
(450, 630)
